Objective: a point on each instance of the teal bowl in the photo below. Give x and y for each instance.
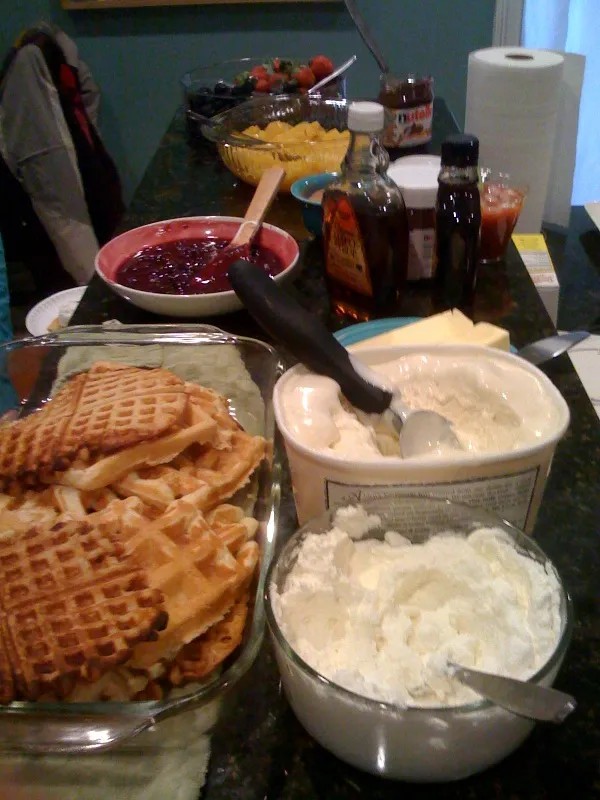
(312, 212)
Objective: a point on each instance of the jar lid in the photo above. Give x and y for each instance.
(417, 178)
(366, 117)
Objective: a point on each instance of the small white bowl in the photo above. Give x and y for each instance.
(114, 253)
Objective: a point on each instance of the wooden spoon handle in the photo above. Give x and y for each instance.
(259, 205)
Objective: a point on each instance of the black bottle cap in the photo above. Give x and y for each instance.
(460, 150)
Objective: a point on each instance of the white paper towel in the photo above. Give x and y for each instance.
(512, 104)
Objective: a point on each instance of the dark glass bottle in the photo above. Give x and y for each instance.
(365, 227)
(458, 222)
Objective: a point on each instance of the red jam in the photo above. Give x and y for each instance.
(190, 266)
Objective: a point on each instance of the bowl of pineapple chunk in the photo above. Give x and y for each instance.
(302, 134)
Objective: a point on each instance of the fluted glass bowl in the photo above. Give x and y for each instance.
(248, 157)
(421, 744)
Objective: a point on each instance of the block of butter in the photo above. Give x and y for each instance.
(449, 327)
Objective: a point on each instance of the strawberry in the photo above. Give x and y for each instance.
(262, 85)
(281, 65)
(321, 67)
(305, 77)
(275, 81)
(259, 71)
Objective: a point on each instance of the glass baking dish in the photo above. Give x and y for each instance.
(245, 371)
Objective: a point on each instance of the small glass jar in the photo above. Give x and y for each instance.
(417, 178)
(408, 103)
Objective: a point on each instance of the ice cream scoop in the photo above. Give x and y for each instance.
(416, 432)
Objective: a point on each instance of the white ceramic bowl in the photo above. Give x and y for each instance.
(420, 744)
(114, 253)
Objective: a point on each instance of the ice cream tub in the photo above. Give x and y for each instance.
(508, 417)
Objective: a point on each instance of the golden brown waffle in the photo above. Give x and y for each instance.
(114, 526)
(74, 605)
(198, 577)
(7, 684)
(104, 409)
(203, 654)
(120, 406)
(103, 471)
(29, 445)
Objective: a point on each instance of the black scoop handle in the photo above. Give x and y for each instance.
(305, 336)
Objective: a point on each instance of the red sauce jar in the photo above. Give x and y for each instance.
(408, 104)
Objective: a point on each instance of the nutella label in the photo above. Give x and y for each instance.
(407, 127)
(346, 261)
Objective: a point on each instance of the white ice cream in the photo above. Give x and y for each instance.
(382, 618)
(494, 406)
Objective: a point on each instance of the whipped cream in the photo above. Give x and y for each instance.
(383, 618)
(493, 405)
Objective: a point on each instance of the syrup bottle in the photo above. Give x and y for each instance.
(365, 228)
(458, 222)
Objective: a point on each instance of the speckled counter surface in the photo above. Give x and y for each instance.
(259, 750)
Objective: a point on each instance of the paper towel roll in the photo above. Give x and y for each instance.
(512, 104)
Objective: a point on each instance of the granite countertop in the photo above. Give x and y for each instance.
(259, 750)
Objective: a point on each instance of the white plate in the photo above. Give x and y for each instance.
(48, 309)
(586, 360)
(593, 209)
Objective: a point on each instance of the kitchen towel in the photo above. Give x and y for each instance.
(513, 99)
(168, 762)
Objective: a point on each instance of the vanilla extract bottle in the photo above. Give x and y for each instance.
(365, 226)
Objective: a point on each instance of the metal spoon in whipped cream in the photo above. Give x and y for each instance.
(524, 698)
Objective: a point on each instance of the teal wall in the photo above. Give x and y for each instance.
(137, 55)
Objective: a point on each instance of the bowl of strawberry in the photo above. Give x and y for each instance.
(209, 90)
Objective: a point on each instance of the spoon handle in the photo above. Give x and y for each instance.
(259, 206)
(335, 74)
(366, 35)
(521, 697)
(307, 338)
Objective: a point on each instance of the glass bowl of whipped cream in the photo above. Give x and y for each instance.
(367, 606)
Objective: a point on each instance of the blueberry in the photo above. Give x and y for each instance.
(223, 88)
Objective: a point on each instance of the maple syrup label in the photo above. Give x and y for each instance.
(346, 261)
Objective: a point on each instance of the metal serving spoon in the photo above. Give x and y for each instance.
(521, 697)
(417, 432)
(367, 36)
(335, 74)
(545, 349)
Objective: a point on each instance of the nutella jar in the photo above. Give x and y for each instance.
(417, 178)
(408, 104)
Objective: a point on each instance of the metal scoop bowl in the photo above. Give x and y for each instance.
(397, 428)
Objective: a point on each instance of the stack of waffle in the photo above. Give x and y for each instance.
(124, 570)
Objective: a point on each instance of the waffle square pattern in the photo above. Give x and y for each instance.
(124, 567)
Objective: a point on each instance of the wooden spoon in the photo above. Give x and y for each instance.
(239, 246)
(256, 212)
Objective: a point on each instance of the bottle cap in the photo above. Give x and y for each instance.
(460, 150)
(366, 117)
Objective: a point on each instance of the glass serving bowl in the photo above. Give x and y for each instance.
(211, 89)
(422, 744)
(247, 157)
(245, 371)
